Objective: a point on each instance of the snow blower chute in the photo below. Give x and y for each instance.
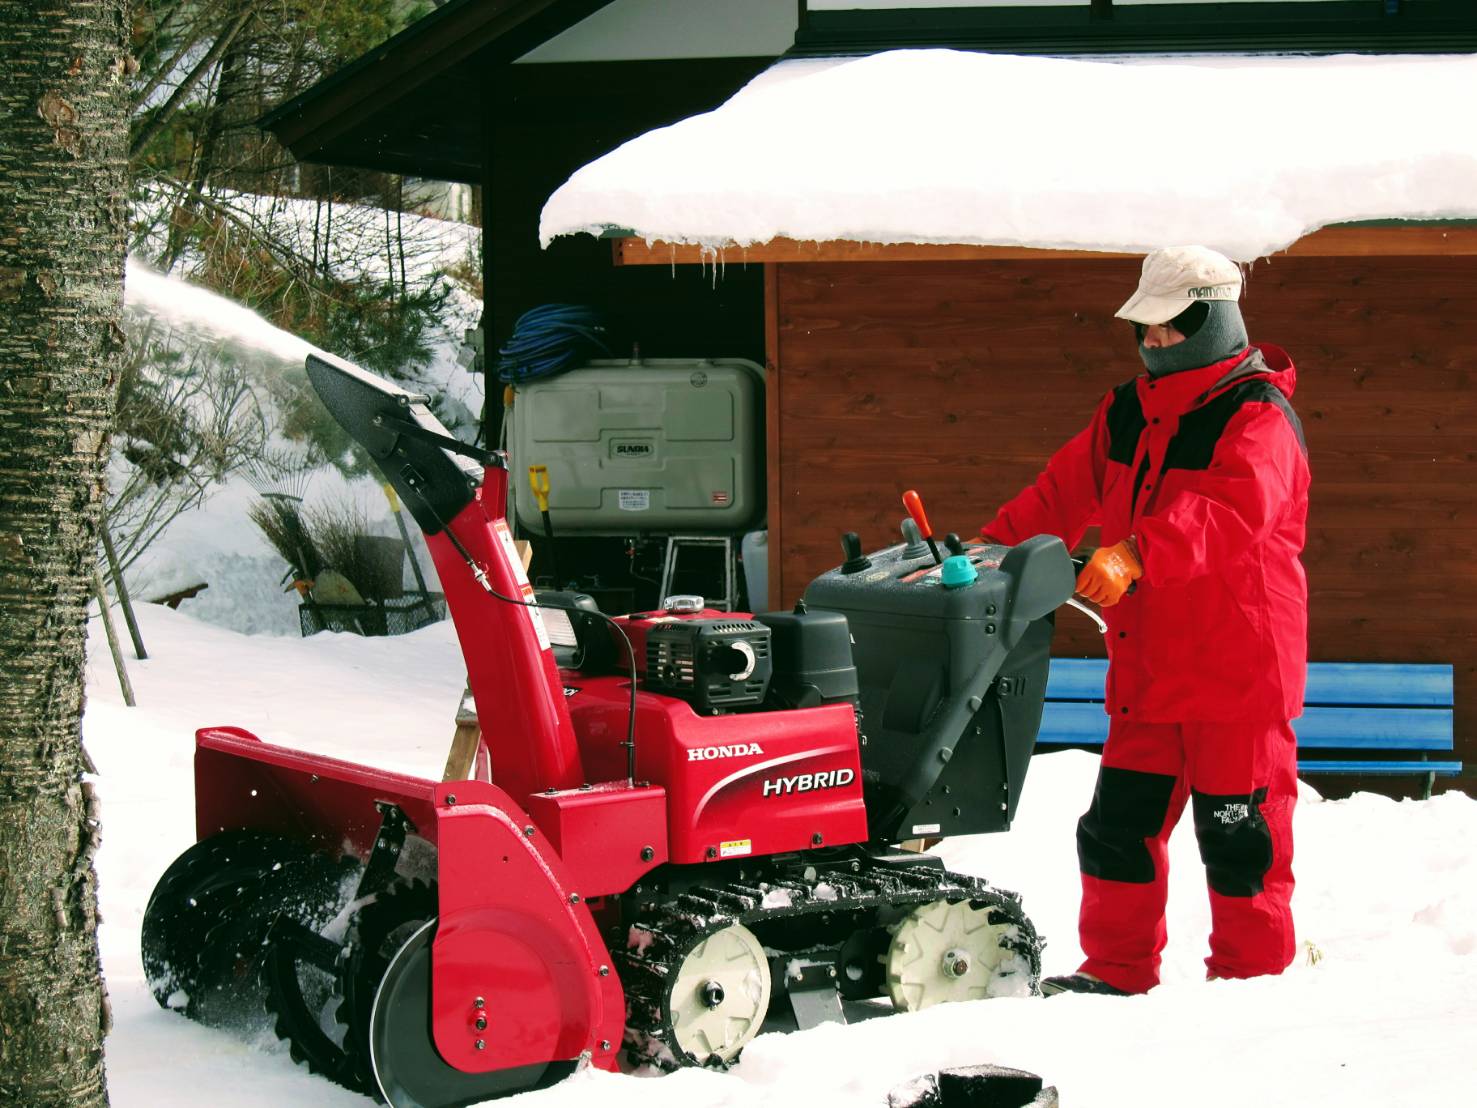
(691, 821)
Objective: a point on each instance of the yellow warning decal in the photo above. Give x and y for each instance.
(735, 847)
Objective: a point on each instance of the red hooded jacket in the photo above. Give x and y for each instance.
(1208, 470)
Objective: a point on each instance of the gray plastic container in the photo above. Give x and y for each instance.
(667, 445)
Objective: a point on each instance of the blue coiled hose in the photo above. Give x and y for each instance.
(550, 339)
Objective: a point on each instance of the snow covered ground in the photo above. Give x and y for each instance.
(1387, 895)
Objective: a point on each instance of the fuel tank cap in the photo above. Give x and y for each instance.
(683, 604)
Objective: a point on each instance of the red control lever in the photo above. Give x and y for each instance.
(914, 503)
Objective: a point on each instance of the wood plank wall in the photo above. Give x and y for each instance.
(959, 379)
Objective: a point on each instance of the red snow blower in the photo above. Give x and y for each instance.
(691, 821)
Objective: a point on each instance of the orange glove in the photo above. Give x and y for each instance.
(1107, 576)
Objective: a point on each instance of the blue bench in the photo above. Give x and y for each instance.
(1377, 708)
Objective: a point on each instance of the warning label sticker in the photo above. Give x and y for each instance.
(524, 588)
(735, 847)
(633, 500)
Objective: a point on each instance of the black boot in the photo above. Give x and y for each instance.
(1078, 983)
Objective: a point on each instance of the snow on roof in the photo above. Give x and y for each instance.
(1246, 154)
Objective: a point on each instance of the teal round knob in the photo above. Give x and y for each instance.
(958, 572)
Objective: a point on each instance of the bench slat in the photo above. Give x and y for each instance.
(1329, 683)
(1386, 729)
(1072, 722)
(1440, 769)
(1379, 683)
(1338, 728)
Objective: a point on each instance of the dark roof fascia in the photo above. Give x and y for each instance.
(1332, 27)
(496, 31)
(424, 167)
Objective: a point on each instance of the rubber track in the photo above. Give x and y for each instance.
(648, 969)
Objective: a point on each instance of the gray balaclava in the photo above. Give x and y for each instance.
(1213, 330)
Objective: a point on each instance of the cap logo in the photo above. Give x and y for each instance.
(1209, 292)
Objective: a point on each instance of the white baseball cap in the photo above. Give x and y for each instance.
(1176, 277)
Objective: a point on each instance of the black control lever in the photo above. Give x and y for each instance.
(955, 547)
(856, 561)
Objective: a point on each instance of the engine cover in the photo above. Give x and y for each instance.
(714, 665)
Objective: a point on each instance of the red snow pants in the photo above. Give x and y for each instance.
(1241, 782)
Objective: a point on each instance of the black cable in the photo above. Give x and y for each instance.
(481, 575)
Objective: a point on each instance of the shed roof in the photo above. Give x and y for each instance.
(416, 103)
(1247, 154)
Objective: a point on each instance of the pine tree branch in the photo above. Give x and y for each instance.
(150, 130)
(192, 37)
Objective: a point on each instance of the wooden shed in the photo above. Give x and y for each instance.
(956, 370)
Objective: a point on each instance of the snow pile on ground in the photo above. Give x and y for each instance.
(940, 146)
(217, 544)
(1386, 902)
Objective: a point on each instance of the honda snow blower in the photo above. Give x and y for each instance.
(690, 821)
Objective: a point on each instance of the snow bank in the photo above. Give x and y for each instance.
(939, 146)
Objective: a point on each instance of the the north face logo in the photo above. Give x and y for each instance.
(1232, 813)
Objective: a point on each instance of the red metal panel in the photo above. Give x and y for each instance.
(743, 783)
(510, 934)
(510, 665)
(608, 835)
(242, 783)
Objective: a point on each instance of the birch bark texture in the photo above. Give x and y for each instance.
(64, 71)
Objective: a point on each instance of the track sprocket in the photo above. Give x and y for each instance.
(720, 995)
(952, 951)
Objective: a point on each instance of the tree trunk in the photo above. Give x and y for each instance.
(63, 144)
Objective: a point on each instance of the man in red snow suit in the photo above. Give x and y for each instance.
(1198, 476)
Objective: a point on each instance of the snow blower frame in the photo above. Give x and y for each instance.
(693, 819)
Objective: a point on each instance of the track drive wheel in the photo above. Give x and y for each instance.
(950, 951)
(207, 919)
(719, 996)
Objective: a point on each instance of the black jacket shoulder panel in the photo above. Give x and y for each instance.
(1200, 430)
(1125, 423)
